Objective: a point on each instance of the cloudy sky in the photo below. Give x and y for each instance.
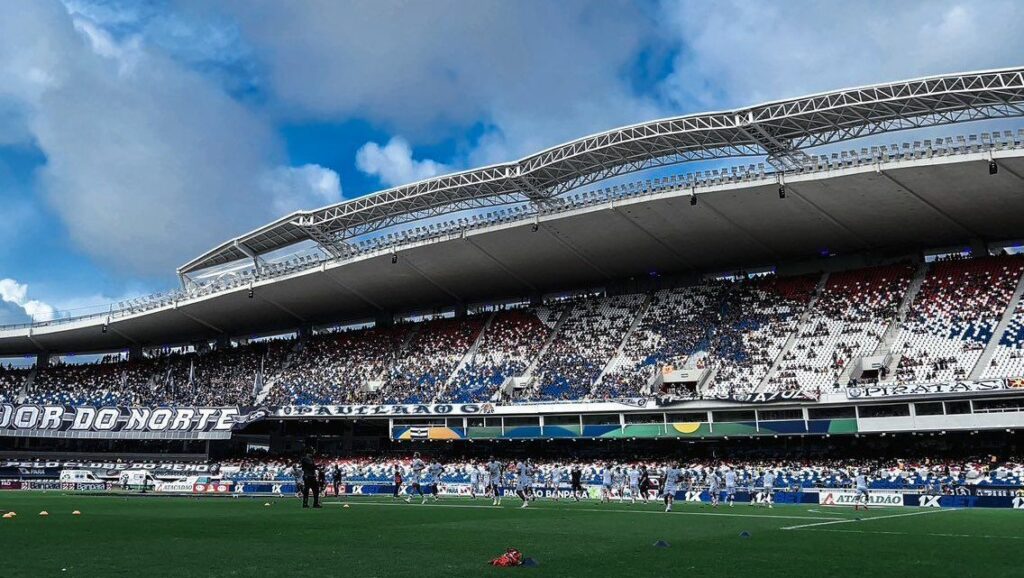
(135, 135)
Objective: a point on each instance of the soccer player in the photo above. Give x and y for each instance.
(474, 480)
(606, 484)
(522, 482)
(645, 482)
(670, 487)
(556, 480)
(634, 483)
(309, 484)
(730, 487)
(862, 495)
(494, 471)
(398, 482)
(714, 488)
(336, 479)
(576, 477)
(416, 476)
(531, 477)
(768, 487)
(435, 470)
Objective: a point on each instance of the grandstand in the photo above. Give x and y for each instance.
(811, 309)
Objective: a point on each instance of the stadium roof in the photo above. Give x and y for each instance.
(780, 131)
(862, 207)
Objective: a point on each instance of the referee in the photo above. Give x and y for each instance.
(310, 483)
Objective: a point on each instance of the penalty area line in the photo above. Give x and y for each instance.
(852, 520)
(573, 509)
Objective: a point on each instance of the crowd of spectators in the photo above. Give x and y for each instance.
(585, 343)
(422, 371)
(222, 376)
(337, 367)
(592, 346)
(847, 321)
(919, 473)
(11, 380)
(953, 317)
(511, 342)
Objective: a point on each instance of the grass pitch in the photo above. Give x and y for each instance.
(130, 536)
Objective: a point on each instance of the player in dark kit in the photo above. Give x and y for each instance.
(336, 479)
(309, 480)
(398, 482)
(645, 482)
(576, 477)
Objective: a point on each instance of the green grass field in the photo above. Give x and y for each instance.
(131, 536)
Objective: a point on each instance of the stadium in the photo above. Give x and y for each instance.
(802, 329)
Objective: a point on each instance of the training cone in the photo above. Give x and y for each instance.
(345, 506)
(530, 563)
(76, 513)
(661, 544)
(744, 534)
(44, 513)
(267, 504)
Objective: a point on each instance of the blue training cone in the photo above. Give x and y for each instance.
(661, 544)
(744, 534)
(530, 563)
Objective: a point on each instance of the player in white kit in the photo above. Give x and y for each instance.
(416, 478)
(556, 480)
(606, 484)
(861, 485)
(730, 487)
(633, 475)
(670, 487)
(768, 487)
(494, 473)
(523, 482)
(474, 480)
(714, 488)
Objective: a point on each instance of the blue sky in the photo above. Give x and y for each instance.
(134, 135)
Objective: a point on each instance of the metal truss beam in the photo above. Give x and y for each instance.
(780, 131)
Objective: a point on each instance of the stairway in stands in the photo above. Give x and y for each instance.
(466, 358)
(818, 290)
(997, 333)
(640, 312)
(26, 386)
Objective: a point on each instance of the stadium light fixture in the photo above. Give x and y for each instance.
(104, 328)
(535, 227)
(782, 191)
(693, 200)
(993, 168)
(394, 258)
(252, 293)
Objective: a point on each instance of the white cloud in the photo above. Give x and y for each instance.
(530, 73)
(16, 294)
(737, 53)
(305, 187)
(393, 164)
(147, 162)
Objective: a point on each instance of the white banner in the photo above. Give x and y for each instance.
(849, 498)
(941, 388)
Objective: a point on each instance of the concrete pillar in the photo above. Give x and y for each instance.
(42, 360)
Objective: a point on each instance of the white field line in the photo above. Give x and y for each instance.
(852, 520)
(574, 509)
(983, 536)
